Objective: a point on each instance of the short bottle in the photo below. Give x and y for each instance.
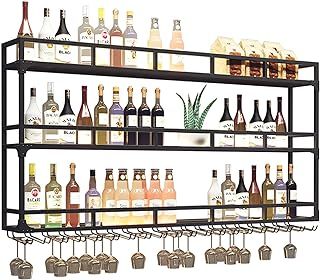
(116, 38)
(254, 196)
(130, 119)
(240, 140)
(33, 117)
(67, 118)
(176, 43)
(72, 199)
(154, 194)
(268, 194)
(269, 125)
(63, 53)
(154, 41)
(101, 119)
(46, 51)
(226, 123)
(291, 192)
(122, 198)
(108, 199)
(256, 124)
(169, 199)
(144, 119)
(84, 119)
(130, 38)
(281, 140)
(144, 186)
(228, 188)
(242, 198)
(280, 190)
(137, 198)
(215, 198)
(116, 119)
(92, 200)
(157, 120)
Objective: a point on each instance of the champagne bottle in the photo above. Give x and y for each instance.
(242, 198)
(269, 125)
(226, 123)
(63, 52)
(144, 119)
(256, 124)
(281, 140)
(240, 140)
(157, 120)
(291, 192)
(67, 118)
(130, 119)
(268, 194)
(254, 196)
(46, 51)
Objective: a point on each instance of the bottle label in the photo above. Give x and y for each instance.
(103, 119)
(132, 120)
(255, 213)
(226, 140)
(138, 203)
(94, 202)
(177, 59)
(281, 198)
(84, 137)
(122, 204)
(241, 140)
(51, 116)
(54, 199)
(46, 51)
(155, 203)
(146, 121)
(75, 198)
(229, 198)
(282, 141)
(33, 202)
(270, 195)
(130, 57)
(63, 52)
(271, 139)
(169, 203)
(159, 121)
(33, 135)
(116, 40)
(256, 140)
(85, 52)
(293, 195)
(110, 203)
(102, 55)
(116, 121)
(242, 199)
(29, 51)
(215, 199)
(67, 136)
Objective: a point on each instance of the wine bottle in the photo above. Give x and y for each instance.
(46, 51)
(92, 199)
(228, 188)
(84, 119)
(116, 119)
(242, 198)
(50, 116)
(268, 194)
(240, 140)
(130, 38)
(130, 119)
(269, 125)
(256, 124)
(281, 140)
(101, 119)
(280, 189)
(154, 41)
(101, 36)
(176, 43)
(291, 192)
(144, 119)
(226, 123)
(33, 117)
(254, 196)
(137, 198)
(67, 118)
(25, 31)
(63, 52)
(108, 198)
(215, 197)
(157, 120)
(72, 199)
(116, 38)
(85, 35)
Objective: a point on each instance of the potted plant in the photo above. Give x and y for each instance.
(194, 120)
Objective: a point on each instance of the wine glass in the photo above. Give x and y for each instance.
(102, 257)
(244, 254)
(290, 250)
(94, 265)
(173, 258)
(111, 263)
(51, 260)
(162, 255)
(235, 248)
(85, 258)
(14, 264)
(25, 268)
(265, 251)
(73, 262)
(138, 259)
(178, 251)
(220, 251)
(211, 254)
(231, 253)
(60, 268)
(188, 258)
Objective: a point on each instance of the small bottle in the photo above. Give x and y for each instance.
(63, 52)
(101, 119)
(154, 41)
(242, 198)
(46, 51)
(85, 35)
(169, 199)
(176, 43)
(157, 120)
(226, 123)
(67, 118)
(144, 119)
(254, 196)
(268, 194)
(53, 200)
(269, 125)
(228, 188)
(108, 198)
(215, 197)
(240, 140)
(122, 198)
(281, 140)
(92, 200)
(84, 119)
(72, 198)
(101, 36)
(137, 198)
(144, 186)
(130, 39)
(291, 192)
(116, 38)
(32, 196)
(280, 190)
(154, 194)
(50, 116)
(116, 119)
(130, 119)
(256, 124)
(33, 117)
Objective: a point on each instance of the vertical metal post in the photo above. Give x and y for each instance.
(211, 64)
(155, 60)
(290, 122)
(316, 141)
(93, 56)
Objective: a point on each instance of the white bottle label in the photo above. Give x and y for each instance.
(226, 140)
(155, 203)
(242, 199)
(63, 52)
(169, 203)
(102, 55)
(67, 136)
(110, 203)
(229, 198)
(270, 195)
(85, 52)
(130, 57)
(94, 202)
(256, 140)
(160, 121)
(33, 202)
(46, 51)
(293, 194)
(116, 121)
(255, 213)
(132, 120)
(116, 40)
(33, 135)
(146, 121)
(215, 199)
(29, 52)
(51, 116)
(103, 119)
(75, 198)
(54, 199)
(122, 204)
(241, 140)
(271, 139)
(84, 137)
(138, 203)
(281, 198)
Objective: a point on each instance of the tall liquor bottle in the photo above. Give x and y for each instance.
(268, 194)
(144, 119)
(154, 194)
(169, 199)
(256, 124)
(116, 38)
(157, 120)
(116, 119)
(137, 198)
(269, 125)
(122, 198)
(67, 118)
(84, 119)
(101, 119)
(240, 140)
(25, 31)
(32, 196)
(92, 199)
(130, 119)
(176, 43)
(72, 198)
(254, 196)
(291, 192)
(85, 35)
(226, 123)
(154, 41)
(33, 117)
(46, 51)
(130, 39)
(228, 189)
(281, 140)
(53, 200)
(144, 186)
(215, 197)
(63, 52)
(108, 198)
(50, 116)
(280, 190)
(242, 198)
(101, 36)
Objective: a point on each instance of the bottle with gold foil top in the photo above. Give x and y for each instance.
(176, 43)
(144, 119)
(101, 119)
(116, 38)
(268, 194)
(130, 40)
(32, 194)
(157, 119)
(102, 36)
(116, 119)
(137, 197)
(154, 41)
(108, 198)
(130, 119)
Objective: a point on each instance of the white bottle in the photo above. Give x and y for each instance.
(215, 197)
(46, 51)
(33, 117)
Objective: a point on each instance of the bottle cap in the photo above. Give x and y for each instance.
(100, 89)
(62, 13)
(154, 23)
(115, 13)
(50, 87)
(85, 11)
(67, 92)
(157, 91)
(100, 13)
(116, 89)
(228, 168)
(130, 91)
(129, 13)
(144, 91)
(214, 173)
(33, 92)
(267, 167)
(46, 12)
(241, 173)
(92, 172)
(32, 169)
(72, 167)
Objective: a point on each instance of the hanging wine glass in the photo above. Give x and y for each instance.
(112, 262)
(220, 251)
(14, 264)
(235, 248)
(173, 258)
(60, 268)
(25, 269)
(163, 255)
(85, 258)
(211, 254)
(51, 260)
(231, 254)
(290, 250)
(178, 251)
(102, 257)
(138, 259)
(244, 254)
(73, 262)
(188, 258)
(265, 251)
(94, 265)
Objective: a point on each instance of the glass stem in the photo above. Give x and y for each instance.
(110, 247)
(164, 243)
(60, 250)
(211, 241)
(17, 249)
(25, 252)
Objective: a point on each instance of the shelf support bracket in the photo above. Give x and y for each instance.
(22, 150)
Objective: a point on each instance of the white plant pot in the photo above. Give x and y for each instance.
(194, 139)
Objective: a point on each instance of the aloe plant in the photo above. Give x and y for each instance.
(191, 111)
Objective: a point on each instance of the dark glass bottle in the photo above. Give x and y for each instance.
(226, 123)
(63, 52)
(254, 196)
(291, 192)
(269, 125)
(67, 118)
(144, 119)
(157, 120)
(240, 140)
(130, 119)
(242, 198)
(256, 124)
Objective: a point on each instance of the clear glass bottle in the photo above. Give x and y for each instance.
(46, 51)
(281, 140)
(108, 199)
(242, 198)
(102, 36)
(130, 119)
(154, 194)
(116, 38)
(63, 52)
(33, 117)
(215, 197)
(130, 38)
(280, 191)
(67, 118)
(157, 119)
(92, 199)
(137, 198)
(32, 196)
(269, 125)
(228, 189)
(50, 116)
(291, 192)
(122, 198)
(226, 123)
(256, 124)
(176, 43)
(72, 199)
(254, 196)
(144, 119)
(154, 41)
(116, 119)
(268, 194)
(169, 198)
(240, 140)
(144, 186)
(101, 119)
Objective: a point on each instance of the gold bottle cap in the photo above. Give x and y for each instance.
(32, 169)
(115, 13)
(130, 91)
(279, 167)
(267, 167)
(290, 168)
(100, 13)
(144, 91)
(72, 168)
(129, 13)
(100, 89)
(157, 91)
(115, 89)
(53, 168)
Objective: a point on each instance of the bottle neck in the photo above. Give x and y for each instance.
(130, 99)
(85, 20)
(100, 98)
(254, 175)
(228, 176)
(268, 108)
(129, 22)
(115, 21)
(72, 176)
(62, 22)
(144, 99)
(101, 21)
(33, 99)
(157, 100)
(239, 104)
(53, 177)
(267, 175)
(115, 98)
(50, 96)
(279, 105)
(67, 100)
(279, 175)
(256, 107)
(32, 178)
(92, 182)
(241, 181)
(84, 97)
(290, 176)
(25, 10)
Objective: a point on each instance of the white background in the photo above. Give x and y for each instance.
(292, 24)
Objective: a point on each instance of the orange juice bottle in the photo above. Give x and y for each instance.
(154, 194)
(168, 199)
(176, 43)
(122, 198)
(108, 201)
(137, 198)
(144, 186)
